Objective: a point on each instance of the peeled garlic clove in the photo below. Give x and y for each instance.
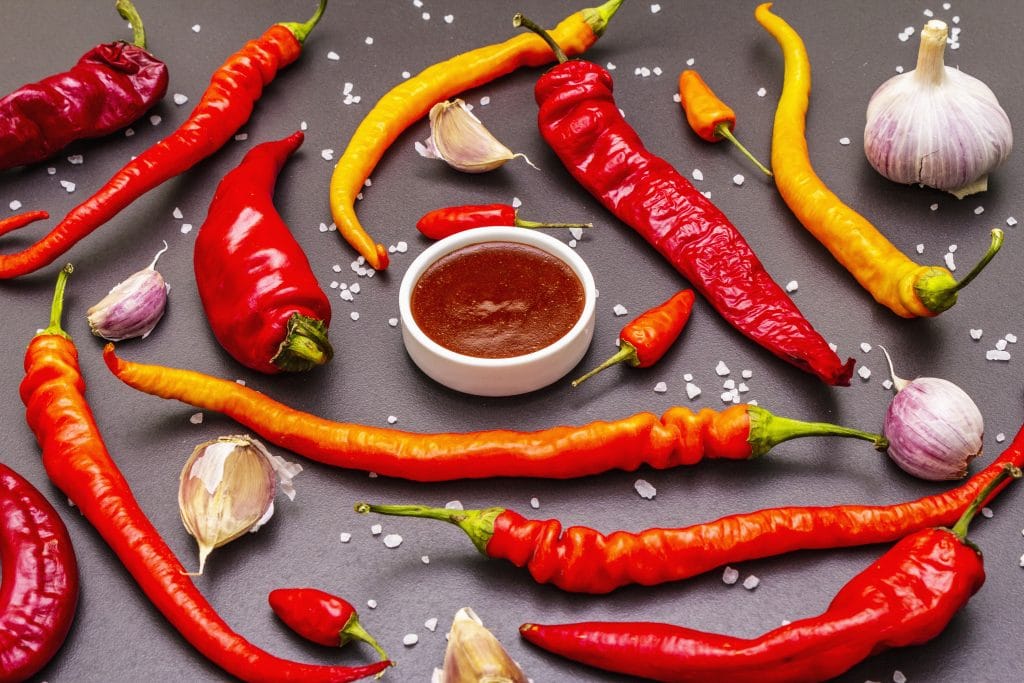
(458, 138)
(133, 307)
(474, 655)
(227, 489)
(936, 125)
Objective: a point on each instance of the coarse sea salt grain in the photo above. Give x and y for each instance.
(178, 215)
(392, 540)
(987, 513)
(729, 384)
(1011, 221)
(792, 286)
(692, 390)
(950, 262)
(376, 529)
(698, 174)
(327, 154)
(742, 388)
(402, 247)
(1000, 437)
(430, 624)
(730, 576)
(887, 383)
(865, 347)
(660, 388)
(68, 185)
(15, 205)
(577, 233)
(368, 40)
(333, 56)
(535, 503)
(392, 419)
(371, 603)
(344, 537)
(721, 369)
(761, 92)
(645, 489)
(996, 354)
(738, 179)
(180, 99)
(1001, 344)
(241, 137)
(410, 639)
(516, 202)
(687, 377)
(898, 677)
(354, 315)
(449, 18)
(864, 372)
(655, 8)
(453, 505)
(155, 120)
(50, 170)
(619, 310)
(747, 374)
(920, 249)
(186, 228)
(393, 322)
(76, 159)
(979, 210)
(196, 418)
(976, 334)
(751, 582)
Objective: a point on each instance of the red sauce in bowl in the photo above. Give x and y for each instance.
(497, 300)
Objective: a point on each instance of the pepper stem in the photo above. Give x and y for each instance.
(478, 524)
(597, 18)
(353, 629)
(302, 30)
(520, 20)
(960, 528)
(57, 307)
(305, 345)
(993, 249)
(520, 223)
(937, 290)
(626, 353)
(128, 12)
(768, 430)
(722, 131)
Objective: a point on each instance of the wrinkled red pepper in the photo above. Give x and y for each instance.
(258, 290)
(580, 121)
(111, 86)
(320, 617)
(452, 219)
(39, 592)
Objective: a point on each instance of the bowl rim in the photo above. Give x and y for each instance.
(497, 233)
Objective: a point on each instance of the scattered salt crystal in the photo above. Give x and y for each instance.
(934, 207)
(996, 354)
(676, 98)
(67, 185)
(979, 210)
(333, 56)
(738, 179)
(660, 388)
(534, 503)
(865, 347)
(947, 6)
(929, 13)
(76, 159)
(303, 125)
(425, 559)
(417, 3)
(369, 40)
(1011, 221)
(347, 295)
(376, 529)
(844, 141)
(327, 154)
(903, 37)
(644, 488)
(976, 334)
(430, 624)
(950, 263)
(689, 62)
(1001, 344)
(484, 101)
(371, 603)
(832, 346)
(155, 119)
(15, 205)
(920, 249)
(426, 16)
(707, 194)
(50, 170)
(688, 377)
(393, 322)
(196, 418)
(761, 92)
(449, 18)
(577, 233)
(344, 537)
(1000, 437)
(180, 99)
(355, 288)
(655, 8)
(516, 202)
(354, 315)
(899, 69)
(887, 383)
(751, 582)
(196, 28)
(898, 677)
(729, 384)
(453, 505)
(909, 30)
(730, 576)
(1012, 338)
(392, 419)
(177, 213)
(656, 71)
(402, 247)
(864, 372)
(336, 267)
(619, 310)
(410, 639)
(241, 137)
(721, 369)
(987, 513)
(743, 388)
(610, 66)
(697, 174)
(323, 227)
(726, 396)
(792, 286)
(747, 374)
(956, 20)
(392, 540)
(406, 74)
(1022, 560)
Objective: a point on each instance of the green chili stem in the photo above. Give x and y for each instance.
(768, 430)
(993, 249)
(627, 353)
(960, 528)
(302, 30)
(305, 345)
(478, 524)
(722, 131)
(128, 12)
(57, 307)
(520, 20)
(520, 223)
(353, 629)
(598, 17)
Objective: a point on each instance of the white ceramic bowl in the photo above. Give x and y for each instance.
(498, 376)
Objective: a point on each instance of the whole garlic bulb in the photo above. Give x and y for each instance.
(936, 125)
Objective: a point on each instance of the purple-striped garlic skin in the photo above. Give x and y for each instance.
(132, 308)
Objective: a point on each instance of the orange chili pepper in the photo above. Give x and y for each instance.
(411, 99)
(646, 339)
(893, 279)
(709, 117)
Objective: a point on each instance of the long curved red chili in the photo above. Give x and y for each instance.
(39, 592)
(318, 616)
(225, 106)
(907, 597)
(452, 219)
(581, 122)
(679, 437)
(259, 292)
(77, 461)
(583, 560)
(110, 86)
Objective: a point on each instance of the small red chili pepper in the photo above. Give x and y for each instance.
(709, 117)
(581, 122)
(582, 560)
(225, 106)
(111, 86)
(321, 617)
(39, 593)
(448, 221)
(77, 461)
(907, 597)
(645, 340)
(258, 290)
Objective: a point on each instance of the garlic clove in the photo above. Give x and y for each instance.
(133, 307)
(474, 655)
(227, 489)
(460, 139)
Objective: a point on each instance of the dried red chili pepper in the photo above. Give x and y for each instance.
(77, 461)
(450, 220)
(40, 579)
(111, 86)
(679, 437)
(225, 106)
(646, 339)
(582, 124)
(907, 597)
(258, 290)
(321, 617)
(709, 117)
(582, 560)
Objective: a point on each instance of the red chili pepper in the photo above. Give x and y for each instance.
(40, 579)
(583, 560)
(111, 86)
(907, 597)
(77, 461)
(645, 340)
(448, 221)
(581, 122)
(258, 290)
(321, 617)
(225, 106)
(709, 117)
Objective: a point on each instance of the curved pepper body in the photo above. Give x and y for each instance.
(704, 111)
(907, 597)
(581, 122)
(441, 223)
(654, 332)
(411, 100)
(39, 593)
(111, 86)
(252, 276)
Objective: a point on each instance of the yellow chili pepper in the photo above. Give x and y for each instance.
(411, 99)
(897, 282)
(709, 117)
